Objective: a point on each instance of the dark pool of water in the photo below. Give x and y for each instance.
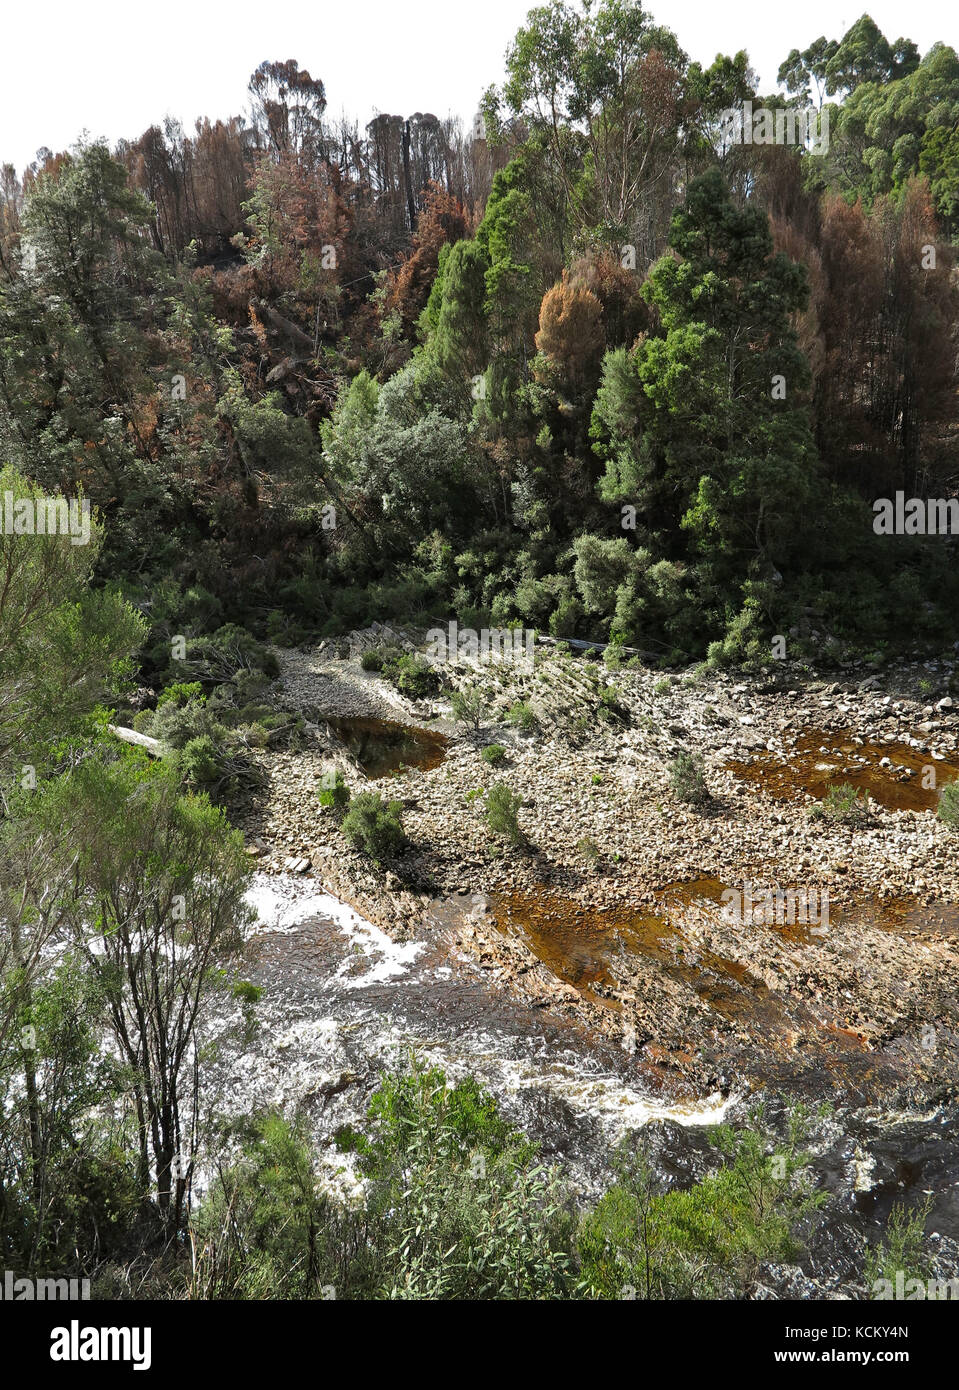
(381, 746)
(819, 760)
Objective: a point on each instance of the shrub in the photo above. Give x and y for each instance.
(710, 1240)
(843, 805)
(460, 1203)
(687, 776)
(948, 810)
(375, 826)
(334, 793)
(610, 706)
(181, 693)
(502, 806)
(218, 657)
(372, 659)
(200, 761)
(521, 716)
(414, 677)
(902, 1250)
(493, 753)
(176, 724)
(468, 706)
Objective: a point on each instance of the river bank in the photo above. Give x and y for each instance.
(612, 916)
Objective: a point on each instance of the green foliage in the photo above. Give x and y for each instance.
(687, 777)
(710, 1240)
(181, 693)
(902, 1249)
(411, 675)
(493, 753)
(63, 646)
(375, 826)
(469, 707)
(334, 793)
(948, 808)
(843, 805)
(502, 807)
(471, 1214)
(372, 659)
(521, 715)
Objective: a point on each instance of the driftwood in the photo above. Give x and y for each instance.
(282, 325)
(152, 745)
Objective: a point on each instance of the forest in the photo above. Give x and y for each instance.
(594, 368)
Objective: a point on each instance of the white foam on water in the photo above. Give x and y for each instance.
(282, 903)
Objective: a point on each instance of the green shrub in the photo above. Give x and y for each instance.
(588, 849)
(334, 793)
(948, 810)
(200, 761)
(521, 716)
(180, 693)
(687, 776)
(217, 658)
(843, 805)
(711, 1239)
(610, 705)
(372, 659)
(414, 677)
(375, 826)
(902, 1249)
(493, 753)
(468, 706)
(502, 806)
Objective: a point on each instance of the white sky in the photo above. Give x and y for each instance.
(114, 67)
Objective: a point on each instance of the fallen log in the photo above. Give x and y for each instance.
(152, 745)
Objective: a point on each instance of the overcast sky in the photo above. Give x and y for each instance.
(114, 67)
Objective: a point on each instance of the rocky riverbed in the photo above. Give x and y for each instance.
(591, 979)
(612, 915)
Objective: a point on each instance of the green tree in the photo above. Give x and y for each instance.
(63, 646)
(156, 912)
(705, 428)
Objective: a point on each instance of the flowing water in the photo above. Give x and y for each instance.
(342, 1001)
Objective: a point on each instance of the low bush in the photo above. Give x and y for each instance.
(493, 753)
(843, 805)
(375, 826)
(687, 777)
(502, 807)
(468, 706)
(334, 793)
(521, 716)
(948, 810)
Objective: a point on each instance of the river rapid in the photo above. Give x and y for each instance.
(342, 1001)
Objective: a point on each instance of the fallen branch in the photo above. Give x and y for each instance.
(153, 745)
